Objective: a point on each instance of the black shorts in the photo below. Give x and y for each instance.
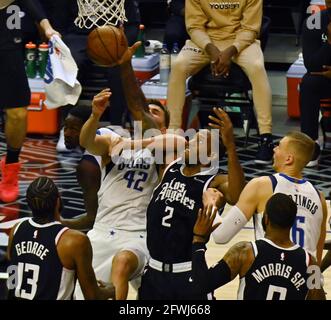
(14, 86)
(157, 285)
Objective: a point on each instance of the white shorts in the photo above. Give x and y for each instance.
(106, 243)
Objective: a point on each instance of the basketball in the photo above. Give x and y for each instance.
(106, 45)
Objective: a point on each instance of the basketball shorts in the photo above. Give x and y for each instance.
(157, 285)
(14, 86)
(106, 243)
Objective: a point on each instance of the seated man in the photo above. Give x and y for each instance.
(221, 33)
(316, 84)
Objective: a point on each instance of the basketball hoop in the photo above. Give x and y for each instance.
(100, 13)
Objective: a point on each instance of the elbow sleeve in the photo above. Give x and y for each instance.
(231, 224)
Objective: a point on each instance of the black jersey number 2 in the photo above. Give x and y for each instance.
(165, 219)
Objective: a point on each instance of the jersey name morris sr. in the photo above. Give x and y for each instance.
(276, 274)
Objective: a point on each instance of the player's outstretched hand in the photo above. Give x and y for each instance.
(204, 225)
(100, 102)
(128, 54)
(223, 123)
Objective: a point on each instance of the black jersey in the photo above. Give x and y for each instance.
(172, 212)
(10, 35)
(36, 272)
(276, 273)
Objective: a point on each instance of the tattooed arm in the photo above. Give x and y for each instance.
(236, 261)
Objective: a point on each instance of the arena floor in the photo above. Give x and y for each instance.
(39, 157)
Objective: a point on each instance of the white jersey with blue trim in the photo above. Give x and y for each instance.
(98, 159)
(126, 190)
(307, 227)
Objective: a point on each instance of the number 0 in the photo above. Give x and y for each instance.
(281, 290)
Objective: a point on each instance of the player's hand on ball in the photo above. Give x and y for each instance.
(128, 54)
(100, 102)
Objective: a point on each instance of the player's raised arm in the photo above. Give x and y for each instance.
(163, 142)
(134, 96)
(95, 144)
(244, 209)
(226, 269)
(232, 185)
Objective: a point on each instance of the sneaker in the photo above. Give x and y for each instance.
(265, 152)
(9, 190)
(316, 156)
(61, 147)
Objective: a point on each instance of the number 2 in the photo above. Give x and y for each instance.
(167, 217)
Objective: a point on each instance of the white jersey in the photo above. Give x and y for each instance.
(98, 159)
(307, 228)
(126, 190)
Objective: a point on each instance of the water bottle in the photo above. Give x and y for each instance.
(31, 61)
(140, 52)
(174, 53)
(42, 58)
(164, 64)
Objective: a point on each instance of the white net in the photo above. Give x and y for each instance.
(100, 13)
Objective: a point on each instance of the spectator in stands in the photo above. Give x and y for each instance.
(222, 33)
(175, 30)
(316, 84)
